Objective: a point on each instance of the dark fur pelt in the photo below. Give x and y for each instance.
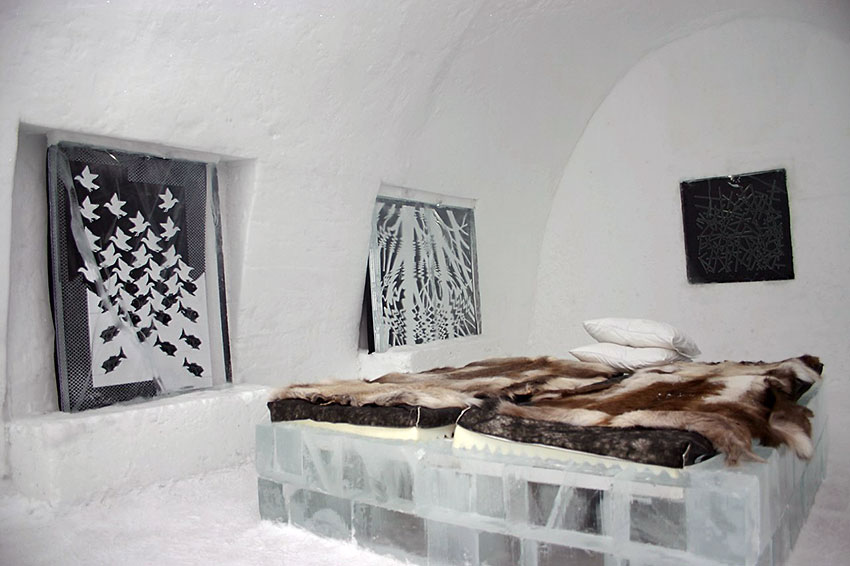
(729, 403)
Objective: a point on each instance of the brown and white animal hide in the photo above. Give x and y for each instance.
(508, 378)
(729, 403)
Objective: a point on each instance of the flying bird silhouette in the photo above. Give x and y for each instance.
(87, 209)
(169, 257)
(119, 238)
(89, 272)
(86, 179)
(140, 257)
(139, 223)
(111, 283)
(109, 255)
(123, 270)
(115, 205)
(183, 270)
(151, 242)
(92, 240)
(173, 284)
(168, 200)
(169, 229)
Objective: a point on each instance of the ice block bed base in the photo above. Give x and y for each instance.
(428, 503)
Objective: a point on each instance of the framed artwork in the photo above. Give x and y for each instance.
(737, 228)
(138, 306)
(423, 273)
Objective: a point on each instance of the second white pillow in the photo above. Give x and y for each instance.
(626, 358)
(641, 333)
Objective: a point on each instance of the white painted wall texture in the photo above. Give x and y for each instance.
(743, 97)
(314, 104)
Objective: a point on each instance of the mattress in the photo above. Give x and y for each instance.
(483, 428)
(672, 416)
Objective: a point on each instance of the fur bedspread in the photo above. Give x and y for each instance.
(729, 403)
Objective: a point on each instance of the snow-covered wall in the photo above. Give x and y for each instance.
(743, 97)
(310, 106)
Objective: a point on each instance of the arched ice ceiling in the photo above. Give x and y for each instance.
(523, 79)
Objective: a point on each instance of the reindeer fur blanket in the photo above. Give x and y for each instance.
(727, 403)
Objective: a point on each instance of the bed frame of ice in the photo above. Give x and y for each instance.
(431, 504)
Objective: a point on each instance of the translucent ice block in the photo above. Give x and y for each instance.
(451, 544)
(321, 513)
(271, 502)
(390, 532)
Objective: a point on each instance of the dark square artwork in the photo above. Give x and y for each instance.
(737, 228)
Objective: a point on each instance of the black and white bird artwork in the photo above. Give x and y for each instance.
(141, 247)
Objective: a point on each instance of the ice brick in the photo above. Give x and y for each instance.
(564, 507)
(264, 459)
(374, 477)
(321, 513)
(489, 496)
(496, 549)
(451, 544)
(321, 460)
(447, 488)
(658, 521)
(814, 474)
(722, 515)
(270, 498)
(390, 532)
(287, 441)
(557, 555)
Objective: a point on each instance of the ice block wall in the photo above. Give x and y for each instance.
(430, 504)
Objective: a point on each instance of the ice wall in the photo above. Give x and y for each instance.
(746, 96)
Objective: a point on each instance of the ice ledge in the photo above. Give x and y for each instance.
(421, 357)
(61, 457)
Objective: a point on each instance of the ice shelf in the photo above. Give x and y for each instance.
(430, 504)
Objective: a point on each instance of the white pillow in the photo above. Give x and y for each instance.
(626, 357)
(641, 333)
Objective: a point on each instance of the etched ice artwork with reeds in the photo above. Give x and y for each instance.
(423, 273)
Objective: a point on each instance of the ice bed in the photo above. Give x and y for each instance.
(540, 461)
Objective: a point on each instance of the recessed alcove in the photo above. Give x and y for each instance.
(51, 452)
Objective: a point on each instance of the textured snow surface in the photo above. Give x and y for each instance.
(213, 519)
(210, 519)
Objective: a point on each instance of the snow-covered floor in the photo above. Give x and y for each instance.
(213, 519)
